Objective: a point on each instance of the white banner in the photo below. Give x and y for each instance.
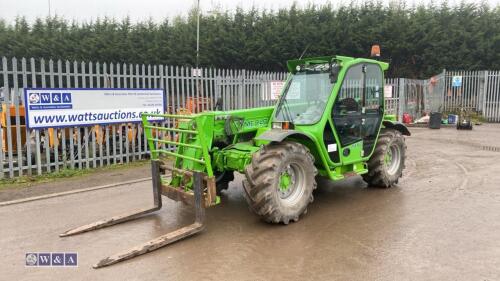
(276, 88)
(52, 108)
(388, 91)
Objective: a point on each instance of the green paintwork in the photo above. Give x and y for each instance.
(354, 162)
(388, 157)
(235, 158)
(204, 144)
(285, 181)
(196, 136)
(390, 117)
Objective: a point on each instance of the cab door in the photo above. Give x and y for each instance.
(373, 105)
(358, 111)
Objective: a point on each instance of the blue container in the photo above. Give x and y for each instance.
(452, 118)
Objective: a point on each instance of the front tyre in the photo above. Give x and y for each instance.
(386, 165)
(279, 182)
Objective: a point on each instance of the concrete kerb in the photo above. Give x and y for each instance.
(59, 194)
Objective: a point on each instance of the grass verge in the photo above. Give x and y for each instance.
(25, 181)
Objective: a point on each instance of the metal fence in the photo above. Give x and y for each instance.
(478, 91)
(26, 152)
(244, 89)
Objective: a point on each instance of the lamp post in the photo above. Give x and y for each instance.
(199, 88)
(198, 35)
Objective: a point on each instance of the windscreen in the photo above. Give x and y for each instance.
(304, 99)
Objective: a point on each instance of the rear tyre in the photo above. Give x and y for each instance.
(279, 182)
(386, 165)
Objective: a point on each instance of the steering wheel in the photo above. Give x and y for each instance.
(348, 104)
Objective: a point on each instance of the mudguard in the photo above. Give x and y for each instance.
(397, 126)
(278, 135)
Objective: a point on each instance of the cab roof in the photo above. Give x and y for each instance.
(292, 64)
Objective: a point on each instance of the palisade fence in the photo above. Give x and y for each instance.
(27, 152)
(479, 91)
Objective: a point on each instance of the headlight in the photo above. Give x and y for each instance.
(283, 125)
(276, 125)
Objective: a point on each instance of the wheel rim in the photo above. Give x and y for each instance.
(392, 159)
(291, 184)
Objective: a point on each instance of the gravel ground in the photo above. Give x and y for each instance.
(442, 222)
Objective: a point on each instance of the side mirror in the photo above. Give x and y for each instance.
(334, 72)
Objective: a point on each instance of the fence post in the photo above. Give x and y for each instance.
(401, 98)
(425, 95)
(8, 128)
(217, 88)
(242, 88)
(2, 156)
(443, 95)
(483, 93)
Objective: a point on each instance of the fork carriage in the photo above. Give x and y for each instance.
(191, 187)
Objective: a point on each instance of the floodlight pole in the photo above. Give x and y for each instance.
(198, 84)
(198, 35)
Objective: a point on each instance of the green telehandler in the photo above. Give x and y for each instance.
(329, 122)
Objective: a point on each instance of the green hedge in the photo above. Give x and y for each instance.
(419, 40)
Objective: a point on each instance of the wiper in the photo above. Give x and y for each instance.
(282, 99)
(283, 107)
(287, 111)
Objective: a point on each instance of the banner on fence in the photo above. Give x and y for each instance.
(388, 91)
(57, 107)
(276, 88)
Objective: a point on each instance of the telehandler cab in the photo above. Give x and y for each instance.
(329, 121)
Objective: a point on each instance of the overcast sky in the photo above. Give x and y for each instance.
(85, 10)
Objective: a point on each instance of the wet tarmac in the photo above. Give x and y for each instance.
(442, 222)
